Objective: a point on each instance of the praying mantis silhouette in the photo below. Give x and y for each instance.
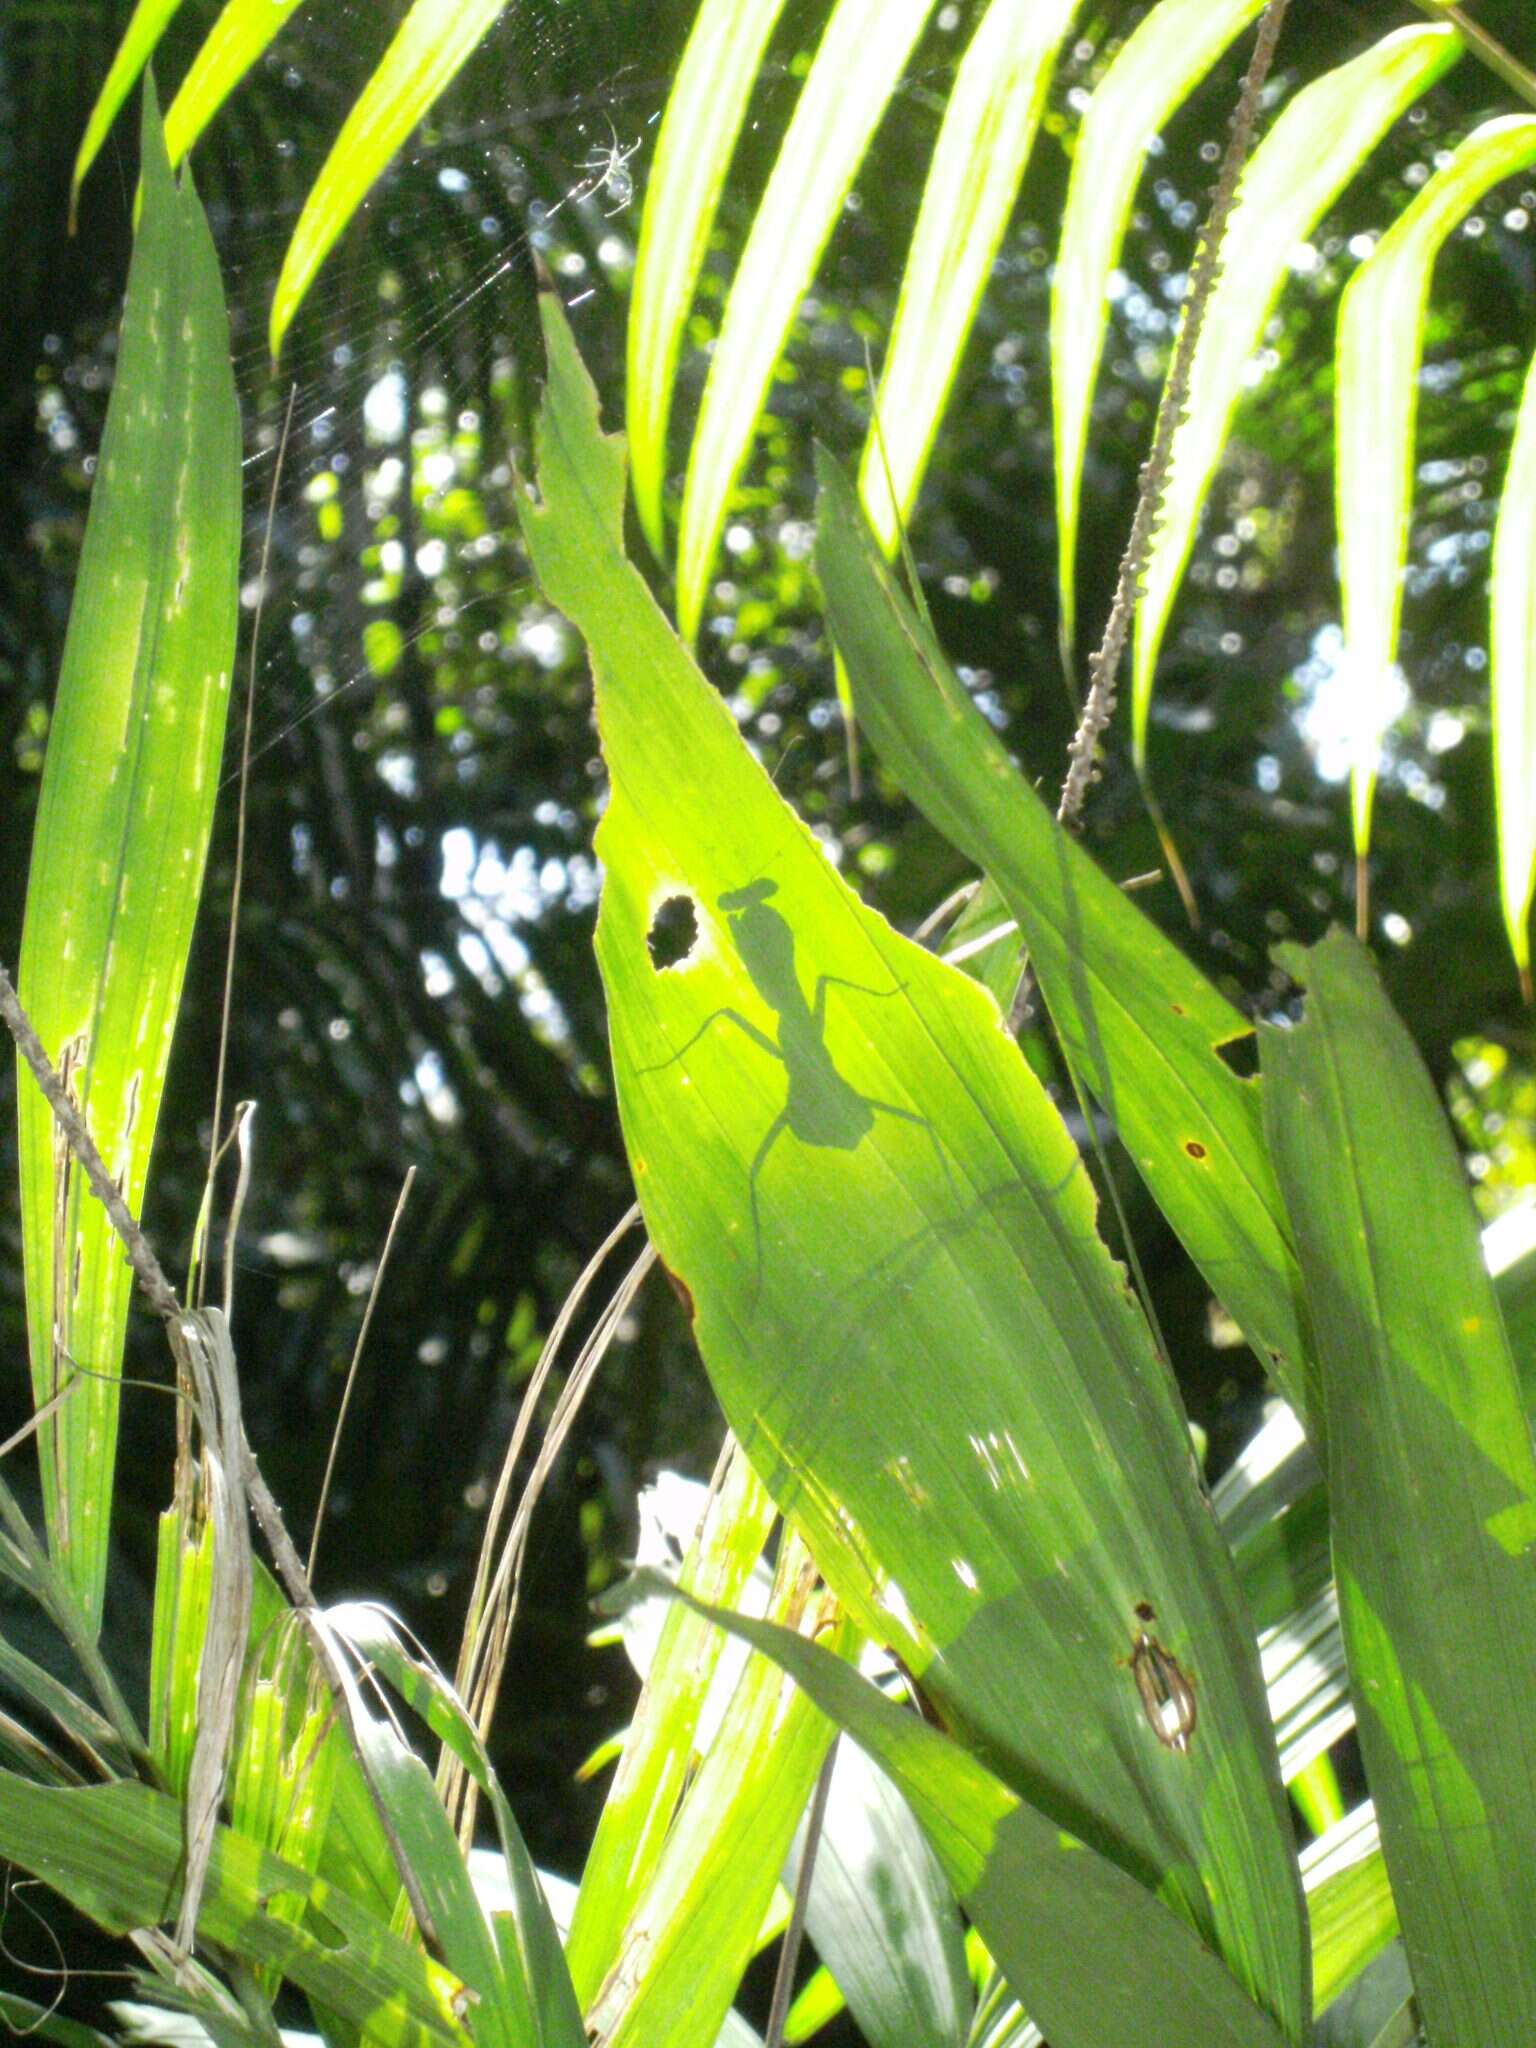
(821, 1107)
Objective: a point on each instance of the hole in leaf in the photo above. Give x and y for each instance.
(674, 933)
(1241, 1055)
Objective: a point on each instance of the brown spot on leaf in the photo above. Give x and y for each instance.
(1194, 1148)
(683, 1292)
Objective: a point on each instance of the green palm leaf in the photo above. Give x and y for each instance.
(1381, 337)
(1426, 1423)
(899, 1288)
(1171, 50)
(1514, 683)
(123, 823)
(705, 110)
(1030, 1887)
(857, 66)
(984, 143)
(1296, 173)
(432, 43)
(244, 29)
(145, 27)
(1144, 1028)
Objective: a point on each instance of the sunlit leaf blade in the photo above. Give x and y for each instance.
(1426, 1434)
(434, 40)
(123, 822)
(1353, 1919)
(1514, 683)
(243, 30)
(689, 1936)
(899, 1288)
(1031, 1887)
(858, 62)
(665, 1734)
(1310, 154)
(25, 1564)
(532, 2000)
(1381, 335)
(145, 28)
(183, 1575)
(1170, 51)
(506, 2003)
(882, 1916)
(1143, 1025)
(817, 2003)
(990, 118)
(115, 1851)
(705, 110)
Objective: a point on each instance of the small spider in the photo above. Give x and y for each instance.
(606, 171)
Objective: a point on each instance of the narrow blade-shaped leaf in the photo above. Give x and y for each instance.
(689, 1936)
(1381, 337)
(1301, 166)
(1037, 1894)
(1350, 1906)
(1170, 51)
(664, 1736)
(243, 30)
(899, 1289)
(988, 130)
(858, 62)
(534, 2001)
(1432, 1488)
(434, 40)
(1142, 1025)
(882, 1916)
(1514, 683)
(145, 27)
(123, 823)
(705, 110)
(116, 1851)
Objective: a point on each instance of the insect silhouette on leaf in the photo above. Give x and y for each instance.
(821, 1107)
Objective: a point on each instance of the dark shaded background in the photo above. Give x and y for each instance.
(419, 721)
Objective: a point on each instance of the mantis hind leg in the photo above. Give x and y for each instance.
(910, 1116)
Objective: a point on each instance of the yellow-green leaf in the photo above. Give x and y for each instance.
(1381, 336)
(858, 62)
(116, 1851)
(1037, 1893)
(145, 27)
(243, 30)
(1144, 1027)
(1514, 683)
(988, 130)
(1310, 154)
(705, 110)
(434, 40)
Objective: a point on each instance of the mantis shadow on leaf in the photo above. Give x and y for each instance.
(821, 1106)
